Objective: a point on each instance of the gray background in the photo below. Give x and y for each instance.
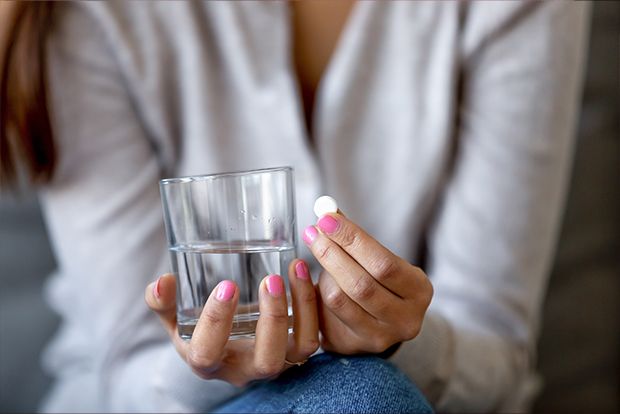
(578, 352)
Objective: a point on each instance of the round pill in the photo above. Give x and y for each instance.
(325, 204)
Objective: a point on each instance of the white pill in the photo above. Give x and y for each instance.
(325, 204)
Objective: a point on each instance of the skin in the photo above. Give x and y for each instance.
(366, 300)
(209, 353)
(369, 298)
(316, 29)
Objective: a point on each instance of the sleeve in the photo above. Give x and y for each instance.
(104, 218)
(492, 241)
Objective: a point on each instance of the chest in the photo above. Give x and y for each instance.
(380, 124)
(316, 28)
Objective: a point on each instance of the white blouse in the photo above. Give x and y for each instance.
(445, 129)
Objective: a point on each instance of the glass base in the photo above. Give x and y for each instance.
(244, 327)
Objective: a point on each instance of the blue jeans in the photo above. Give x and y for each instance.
(330, 383)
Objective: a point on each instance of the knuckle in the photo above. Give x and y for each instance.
(200, 362)
(423, 296)
(363, 289)
(411, 330)
(381, 343)
(336, 299)
(349, 238)
(205, 375)
(417, 269)
(308, 298)
(213, 318)
(324, 251)
(275, 317)
(383, 268)
(266, 369)
(308, 347)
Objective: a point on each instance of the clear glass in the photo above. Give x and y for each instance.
(238, 226)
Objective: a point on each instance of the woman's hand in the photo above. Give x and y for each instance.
(209, 352)
(370, 299)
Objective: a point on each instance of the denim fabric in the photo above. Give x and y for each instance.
(330, 383)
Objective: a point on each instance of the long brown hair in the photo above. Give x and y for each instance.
(26, 141)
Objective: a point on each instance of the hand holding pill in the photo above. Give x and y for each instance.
(369, 298)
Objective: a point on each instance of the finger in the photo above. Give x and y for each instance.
(376, 259)
(305, 317)
(349, 274)
(160, 296)
(332, 327)
(211, 334)
(272, 328)
(344, 308)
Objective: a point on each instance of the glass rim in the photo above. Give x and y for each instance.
(205, 177)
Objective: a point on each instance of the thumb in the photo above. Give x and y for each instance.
(160, 296)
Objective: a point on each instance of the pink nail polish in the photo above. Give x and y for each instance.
(301, 271)
(310, 234)
(275, 285)
(225, 291)
(156, 290)
(328, 224)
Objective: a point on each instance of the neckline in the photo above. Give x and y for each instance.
(350, 22)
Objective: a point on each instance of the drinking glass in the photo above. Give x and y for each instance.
(238, 226)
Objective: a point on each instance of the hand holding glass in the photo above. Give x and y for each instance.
(236, 226)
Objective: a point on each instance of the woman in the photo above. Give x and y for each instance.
(443, 129)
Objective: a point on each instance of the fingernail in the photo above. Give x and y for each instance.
(327, 224)
(310, 234)
(156, 290)
(301, 271)
(225, 291)
(275, 286)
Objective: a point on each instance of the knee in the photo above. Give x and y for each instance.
(361, 384)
